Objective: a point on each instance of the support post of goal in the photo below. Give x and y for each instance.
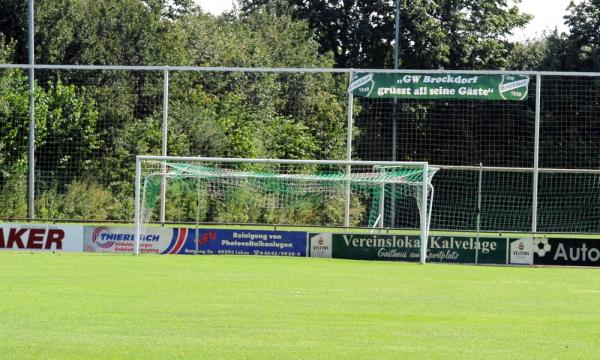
(349, 151)
(138, 205)
(382, 206)
(165, 131)
(423, 213)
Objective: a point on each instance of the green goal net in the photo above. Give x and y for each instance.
(306, 193)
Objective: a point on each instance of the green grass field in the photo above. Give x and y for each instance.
(89, 306)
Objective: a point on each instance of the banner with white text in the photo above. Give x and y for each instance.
(251, 242)
(166, 240)
(447, 249)
(440, 86)
(566, 251)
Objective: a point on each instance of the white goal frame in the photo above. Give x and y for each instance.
(424, 204)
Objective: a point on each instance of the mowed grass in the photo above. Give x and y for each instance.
(91, 306)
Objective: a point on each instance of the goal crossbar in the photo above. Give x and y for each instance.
(281, 161)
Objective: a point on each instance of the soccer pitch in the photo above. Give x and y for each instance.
(90, 306)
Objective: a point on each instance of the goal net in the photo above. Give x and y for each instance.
(308, 193)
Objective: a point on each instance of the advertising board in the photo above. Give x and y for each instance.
(120, 239)
(252, 242)
(453, 249)
(165, 240)
(41, 237)
(566, 251)
(521, 251)
(511, 87)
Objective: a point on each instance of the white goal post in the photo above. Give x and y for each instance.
(309, 193)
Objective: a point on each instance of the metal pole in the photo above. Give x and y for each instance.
(536, 151)
(281, 161)
(197, 232)
(382, 206)
(137, 205)
(479, 190)
(394, 114)
(479, 195)
(165, 129)
(31, 145)
(397, 35)
(394, 158)
(348, 152)
(282, 70)
(423, 213)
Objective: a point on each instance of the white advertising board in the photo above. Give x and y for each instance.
(41, 237)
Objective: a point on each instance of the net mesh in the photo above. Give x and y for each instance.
(458, 132)
(291, 194)
(14, 137)
(90, 124)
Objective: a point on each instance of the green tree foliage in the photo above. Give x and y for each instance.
(13, 30)
(578, 49)
(71, 136)
(129, 32)
(14, 104)
(83, 199)
(66, 136)
(582, 45)
(245, 114)
(570, 133)
(451, 34)
(65, 126)
(91, 124)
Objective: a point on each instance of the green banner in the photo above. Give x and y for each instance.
(440, 86)
(376, 247)
(453, 249)
(467, 250)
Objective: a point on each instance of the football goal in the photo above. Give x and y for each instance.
(302, 193)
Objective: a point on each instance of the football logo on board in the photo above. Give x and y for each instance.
(541, 246)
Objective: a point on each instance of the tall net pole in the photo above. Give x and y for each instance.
(424, 226)
(31, 156)
(138, 205)
(165, 129)
(536, 152)
(349, 152)
(395, 109)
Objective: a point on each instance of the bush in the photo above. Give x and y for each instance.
(13, 197)
(87, 200)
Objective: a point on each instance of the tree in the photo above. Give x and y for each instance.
(578, 49)
(70, 137)
(256, 114)
(128, 32)
(93, 123)
(583, 41)
(13, 29)
(125, 32)
(434, 34)
(66, 136)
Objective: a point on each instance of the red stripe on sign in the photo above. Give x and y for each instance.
(180, 240)
(97, 232)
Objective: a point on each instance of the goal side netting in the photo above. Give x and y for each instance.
(303, 193)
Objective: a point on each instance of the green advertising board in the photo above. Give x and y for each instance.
(467, 250)
(440, 86)
(447, 249)
(376, 247)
